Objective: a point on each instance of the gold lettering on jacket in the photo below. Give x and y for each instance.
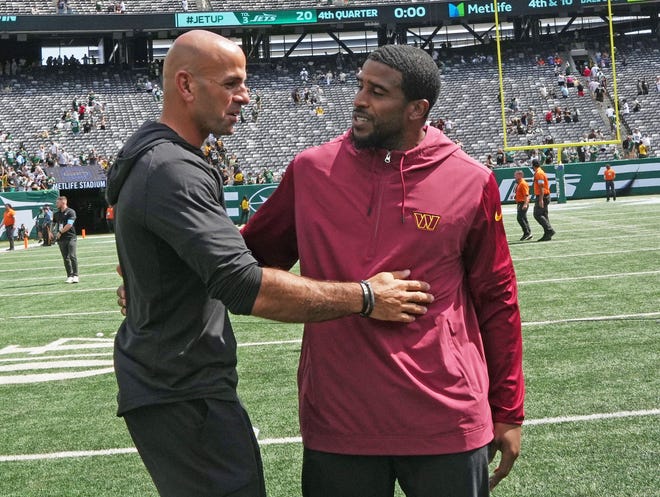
(425, 221)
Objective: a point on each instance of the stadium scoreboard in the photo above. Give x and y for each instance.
(383, 14)
(403, 13)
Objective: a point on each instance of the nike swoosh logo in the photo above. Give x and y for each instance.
(498, 216)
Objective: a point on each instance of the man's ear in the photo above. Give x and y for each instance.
(184, 84)
(418, 109)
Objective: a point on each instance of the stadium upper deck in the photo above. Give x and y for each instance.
(35, 99)
(38, 7)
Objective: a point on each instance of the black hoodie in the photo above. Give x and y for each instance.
(184, 264)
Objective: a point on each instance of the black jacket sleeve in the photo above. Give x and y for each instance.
(194, 222)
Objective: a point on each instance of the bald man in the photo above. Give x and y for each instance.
(185, 265)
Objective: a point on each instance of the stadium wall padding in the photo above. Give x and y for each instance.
(26, 205)
(583, 181)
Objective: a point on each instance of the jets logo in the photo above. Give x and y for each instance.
(260, 197)
(498, 216)
(425, 221)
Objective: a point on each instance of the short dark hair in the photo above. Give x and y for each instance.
(420, 77)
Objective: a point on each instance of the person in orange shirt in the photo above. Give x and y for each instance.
(522, 202)
(110, 218)
(8, 220)
(542, 199)
(609, 176)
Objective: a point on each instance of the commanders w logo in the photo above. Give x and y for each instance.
(426, 222)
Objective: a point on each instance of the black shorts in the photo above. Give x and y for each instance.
(198, 448)
(451, 475)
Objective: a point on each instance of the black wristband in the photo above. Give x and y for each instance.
(368, 299)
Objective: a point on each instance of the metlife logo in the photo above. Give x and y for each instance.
(457, 9)
(460, 10)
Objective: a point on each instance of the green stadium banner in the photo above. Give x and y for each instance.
(581, 180)
(561, 183)
(585, 180)
(256, 194)
(26, 205)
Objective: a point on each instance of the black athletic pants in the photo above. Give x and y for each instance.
(451, 475)
(522, 219)
(9, 231)
(46, 235)
(610, 191)
(68, 250)
(541, 214)
(198, 448)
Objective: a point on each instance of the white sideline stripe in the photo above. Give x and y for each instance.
(110, 343)
(592, 277)
(47, 357)
(593, 318)
(296, 440)
(55, 292)
(591, 417)
(59, 277)
(13, 270)
(54, 365)
(70, 454)
(43, 377)
(277, 342)
(63, 315)
(585, 254)
(573, 240)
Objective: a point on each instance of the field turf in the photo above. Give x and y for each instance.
(590, 303)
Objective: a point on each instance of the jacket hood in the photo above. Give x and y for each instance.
(146, 137)
(431, 152)
(434, 148)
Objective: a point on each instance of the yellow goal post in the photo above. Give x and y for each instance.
(617, 123)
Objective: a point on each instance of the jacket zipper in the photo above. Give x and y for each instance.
(378, 199)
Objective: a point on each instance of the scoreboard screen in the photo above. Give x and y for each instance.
(415, 14)
(427, 13)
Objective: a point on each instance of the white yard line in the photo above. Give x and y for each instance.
(62, 315)
(59, 266)
(593, 318)
(586, 254)
(591, 277)
(58, 277)
(276, 342)
(55, 292)
(570, 239)
(55, 357)
(297, 440)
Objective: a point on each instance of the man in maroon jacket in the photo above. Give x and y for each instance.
(420, 403)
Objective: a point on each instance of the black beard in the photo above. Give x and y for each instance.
(364, 143)
(373, 141)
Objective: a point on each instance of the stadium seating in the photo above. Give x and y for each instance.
(468, 97)
(643, 61)
(39, 7)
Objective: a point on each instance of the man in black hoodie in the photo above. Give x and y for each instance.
(185, 265)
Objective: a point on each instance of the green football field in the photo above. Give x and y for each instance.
(590, 303)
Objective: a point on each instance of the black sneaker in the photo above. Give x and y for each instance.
(544, 238)
(528, 236)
